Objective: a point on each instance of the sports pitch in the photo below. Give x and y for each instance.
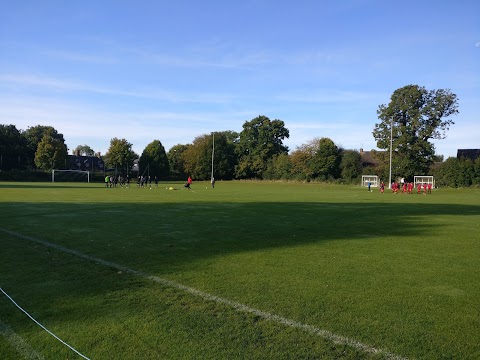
(248, 270)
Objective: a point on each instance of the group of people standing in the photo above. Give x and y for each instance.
(114, 181)
(407, 187)
(142, 181)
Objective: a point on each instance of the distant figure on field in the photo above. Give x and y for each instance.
(189, 182)
(369, 185)
(213, 182)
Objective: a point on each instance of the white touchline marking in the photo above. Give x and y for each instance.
(18, 343)
(337, 339)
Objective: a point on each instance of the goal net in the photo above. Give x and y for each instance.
(70, 176)
(372, 179)
(423, 179)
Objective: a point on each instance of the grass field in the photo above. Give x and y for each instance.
(250, 270)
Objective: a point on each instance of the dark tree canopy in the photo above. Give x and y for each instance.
(13, 147)
(350, 165)
(175, 161)
(415, 116)
(51, 153)
(260, 139)
(120, 155)
(319, 158)
(34, 136)
(155, 158)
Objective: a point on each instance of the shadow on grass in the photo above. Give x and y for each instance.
(164, 237)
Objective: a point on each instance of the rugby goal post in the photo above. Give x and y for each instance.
(423, 179)
(70, 176)
(372, 179)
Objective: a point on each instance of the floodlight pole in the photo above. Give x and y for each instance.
(391, 142)
(213, 152)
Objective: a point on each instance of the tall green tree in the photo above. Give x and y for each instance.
(325, 162)
(51, 153)
(120, 155)
(175, 161)
(83, 150)
(279, 168)
(13, 147)
(350, 165)
(319, 159)
(225, 158)
(260, 139)
(198, 157)
(34, 136)
(415, 116)
(155, 157)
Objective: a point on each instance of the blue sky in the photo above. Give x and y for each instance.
(174, 70)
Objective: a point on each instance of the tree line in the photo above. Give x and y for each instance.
(413, 117)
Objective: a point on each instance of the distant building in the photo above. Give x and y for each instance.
(369, 158)
(85, 163)
(468, 153)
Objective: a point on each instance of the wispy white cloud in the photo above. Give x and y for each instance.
(60, 85)
(80, 124)
(330, 96)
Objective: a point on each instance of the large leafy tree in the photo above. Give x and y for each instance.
(155, 157)
(51, 153)
(34, 136)
(319, 158)
(197, 158)
(225, 158)
(325, 162)
(350, 165)
(83, 150)
(13, 147)
(120, 155)
(260, 139)
(415, 116)
(279, 168)
(175, 161)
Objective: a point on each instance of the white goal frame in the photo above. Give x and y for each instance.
(372, 179)
(423, 179)
(75, 171)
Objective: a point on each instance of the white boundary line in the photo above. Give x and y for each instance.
(43, 327)
(18, 343)
(325, 334)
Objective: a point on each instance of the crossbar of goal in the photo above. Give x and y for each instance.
(372, 179)
(423, 179)
(71, 171)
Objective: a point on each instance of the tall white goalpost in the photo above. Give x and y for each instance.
(72, 175)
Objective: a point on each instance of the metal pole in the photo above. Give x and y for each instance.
(391, 142)
(213, 152)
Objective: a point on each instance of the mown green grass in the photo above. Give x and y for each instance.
(396, 272)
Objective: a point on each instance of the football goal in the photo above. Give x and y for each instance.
(423, 179)
(372, 179)
(70, 176)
